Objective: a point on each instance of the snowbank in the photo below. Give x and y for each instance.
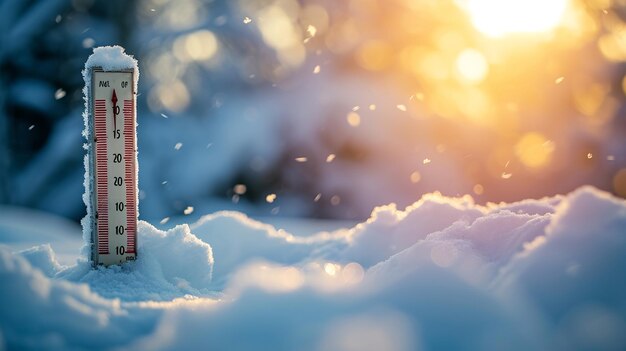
(442, 274)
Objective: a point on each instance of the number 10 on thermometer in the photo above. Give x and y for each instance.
(113, 171)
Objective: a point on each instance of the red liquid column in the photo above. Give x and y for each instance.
(102, 205)
(129, 174)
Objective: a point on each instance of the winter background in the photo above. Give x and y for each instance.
(324, 175)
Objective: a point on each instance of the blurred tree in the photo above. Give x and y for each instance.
(43, 46)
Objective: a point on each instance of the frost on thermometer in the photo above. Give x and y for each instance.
(111, 176)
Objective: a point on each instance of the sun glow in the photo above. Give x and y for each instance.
(497, 18)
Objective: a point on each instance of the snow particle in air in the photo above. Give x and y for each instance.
(506, 175)
(59, 94)
(58, 19)
(301, 159)
(401, 107)
(317, 197)
(330, 158)
(165, 220)
(178, 146)
(270, 198)
(372, 107)
(610, 158)
(188, 210)
(590, 155)
(247, 20)
(355, 108)
(353, 118)
(240, 189)
(311, 30)
(31, 127)
(335, 200)
(317, 69)
(559, 80)
(426, 161)
(164, 115)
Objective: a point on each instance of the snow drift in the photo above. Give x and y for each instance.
(444, 273)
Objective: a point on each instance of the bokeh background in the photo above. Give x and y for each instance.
(321, 108)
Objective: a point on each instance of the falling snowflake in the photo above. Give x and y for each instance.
(59, 94)
(270, 198)
(317, 69)
(247, 20)
(188, 210)
(330, 158)
(301, 159)
(401, 107)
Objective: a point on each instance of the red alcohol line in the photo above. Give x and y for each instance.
(101, 193)
(129, 173)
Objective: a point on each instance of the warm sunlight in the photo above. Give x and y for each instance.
(497, 18)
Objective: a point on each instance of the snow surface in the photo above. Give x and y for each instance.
(444, 273)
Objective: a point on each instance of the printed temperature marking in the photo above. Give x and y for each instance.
(114, 160)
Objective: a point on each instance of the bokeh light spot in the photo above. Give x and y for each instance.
(353, 118)
(374, 55)
(478, 189)
(416, 177)
(472, 65)
(534, 150)
(497, 18)
(197, 46)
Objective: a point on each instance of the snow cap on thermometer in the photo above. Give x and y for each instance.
(108, 59)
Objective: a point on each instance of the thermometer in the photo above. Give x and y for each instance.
(112, 164)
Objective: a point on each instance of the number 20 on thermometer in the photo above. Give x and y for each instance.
(112, 164)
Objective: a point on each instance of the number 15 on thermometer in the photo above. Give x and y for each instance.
(113, 169)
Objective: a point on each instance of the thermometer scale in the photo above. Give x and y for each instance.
(112, 165)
